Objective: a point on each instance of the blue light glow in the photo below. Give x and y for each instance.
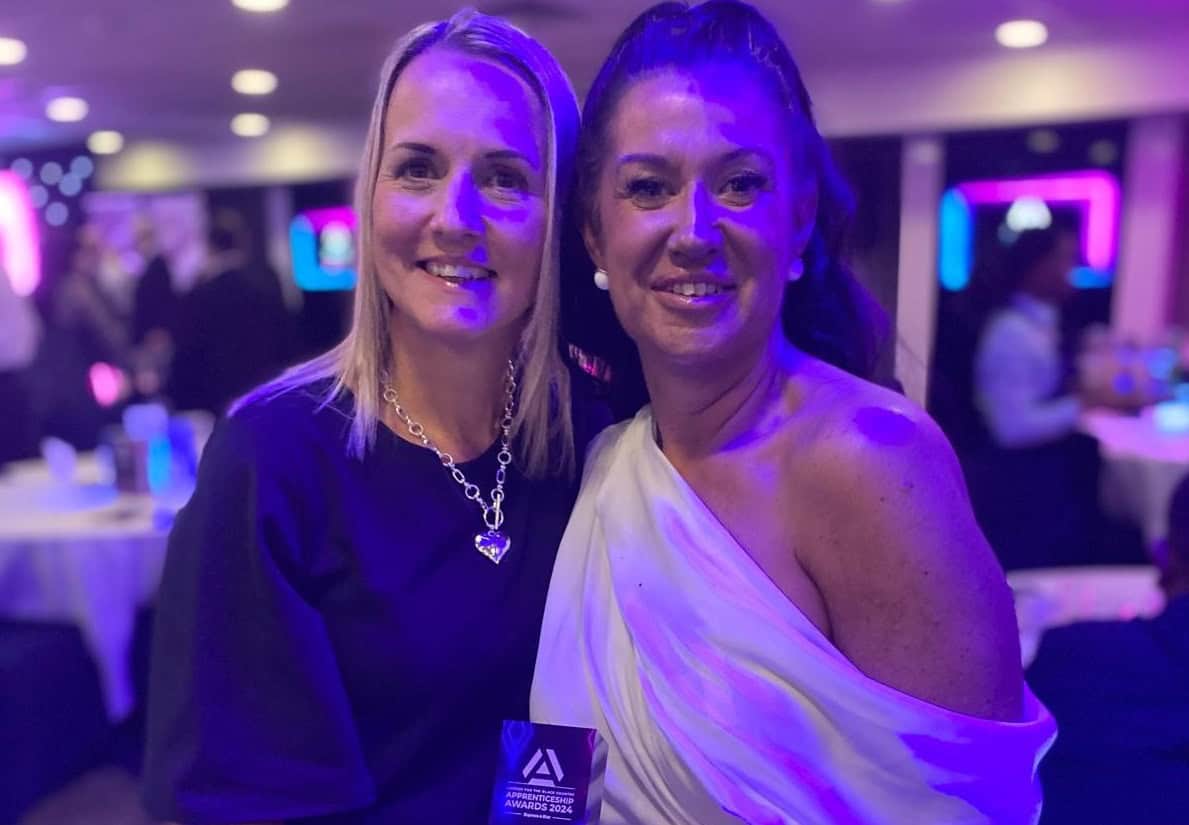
(957, 241)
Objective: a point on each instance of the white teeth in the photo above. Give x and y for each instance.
(456, 272)
(695, 290)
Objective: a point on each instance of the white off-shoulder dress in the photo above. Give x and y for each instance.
(720, 701)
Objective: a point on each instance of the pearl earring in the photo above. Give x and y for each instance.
(600, 279)
(796, 269)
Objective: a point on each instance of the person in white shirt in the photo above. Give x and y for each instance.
(20, 331)
(1019, 371)
(1034, 484)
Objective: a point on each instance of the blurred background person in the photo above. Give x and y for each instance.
(1120, 693)
(87, 327)
(1022, 375)
(1034, 477)
(20, 331)
(154, 313)
(154, 303)
(232, 328)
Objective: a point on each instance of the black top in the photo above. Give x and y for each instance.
(154, 304)
(232, 332)
(329, 645)
(1119, 691)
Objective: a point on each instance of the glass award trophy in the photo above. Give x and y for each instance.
(548, 774)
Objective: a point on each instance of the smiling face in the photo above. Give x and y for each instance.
(702, 209)
(460, 204)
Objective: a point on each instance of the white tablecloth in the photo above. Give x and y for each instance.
(1141, 467)
(85, 554)
(1051, 597)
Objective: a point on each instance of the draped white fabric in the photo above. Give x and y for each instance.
(720, 701)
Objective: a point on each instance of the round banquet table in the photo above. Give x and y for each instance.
(83, 553)
(1047, 598)
(1141, 467)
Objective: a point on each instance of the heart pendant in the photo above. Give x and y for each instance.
(493, 544)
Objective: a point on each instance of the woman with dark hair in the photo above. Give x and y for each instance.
(772, 589)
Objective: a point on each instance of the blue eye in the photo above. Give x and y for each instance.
(415, 169)
(508, 180)
(744, 185)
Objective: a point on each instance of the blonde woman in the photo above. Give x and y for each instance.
(352, 598)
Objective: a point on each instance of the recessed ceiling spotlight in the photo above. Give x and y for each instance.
(66, 109)
(82, 166)
(250, 125)
(70, 185)
(12, 51)
(56, 214)
(1021, 34)
(1103, 152)
(254, 82)
(105, 142)
(51, 173)
(1044, 141)
(23, 167)
(261, 6)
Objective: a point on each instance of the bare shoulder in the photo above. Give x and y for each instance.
(914, 595)
(871, 436)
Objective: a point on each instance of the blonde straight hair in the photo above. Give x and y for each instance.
(542, 430)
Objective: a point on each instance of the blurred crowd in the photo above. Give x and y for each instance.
(105, 337)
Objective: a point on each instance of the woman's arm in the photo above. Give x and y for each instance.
(248, 715)
(915, 597)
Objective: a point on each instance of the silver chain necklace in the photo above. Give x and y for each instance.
(493, 543)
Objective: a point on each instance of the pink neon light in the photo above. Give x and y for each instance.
(319, 218)
(107, 383)
(18, 235)
(1095, 193)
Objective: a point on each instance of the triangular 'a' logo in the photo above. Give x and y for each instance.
(544, 769)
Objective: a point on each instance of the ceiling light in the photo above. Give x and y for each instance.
(51, 173)
(1044, 141)
(249, 125)
(261, 6)
(12, 51)
(254, 82)
(66, 109)
(56, 214)
(70, 185)
(1028, 212)
(1103, 152)
(105, 142)
(1021, 34)
(22, 167)
(82, 166)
